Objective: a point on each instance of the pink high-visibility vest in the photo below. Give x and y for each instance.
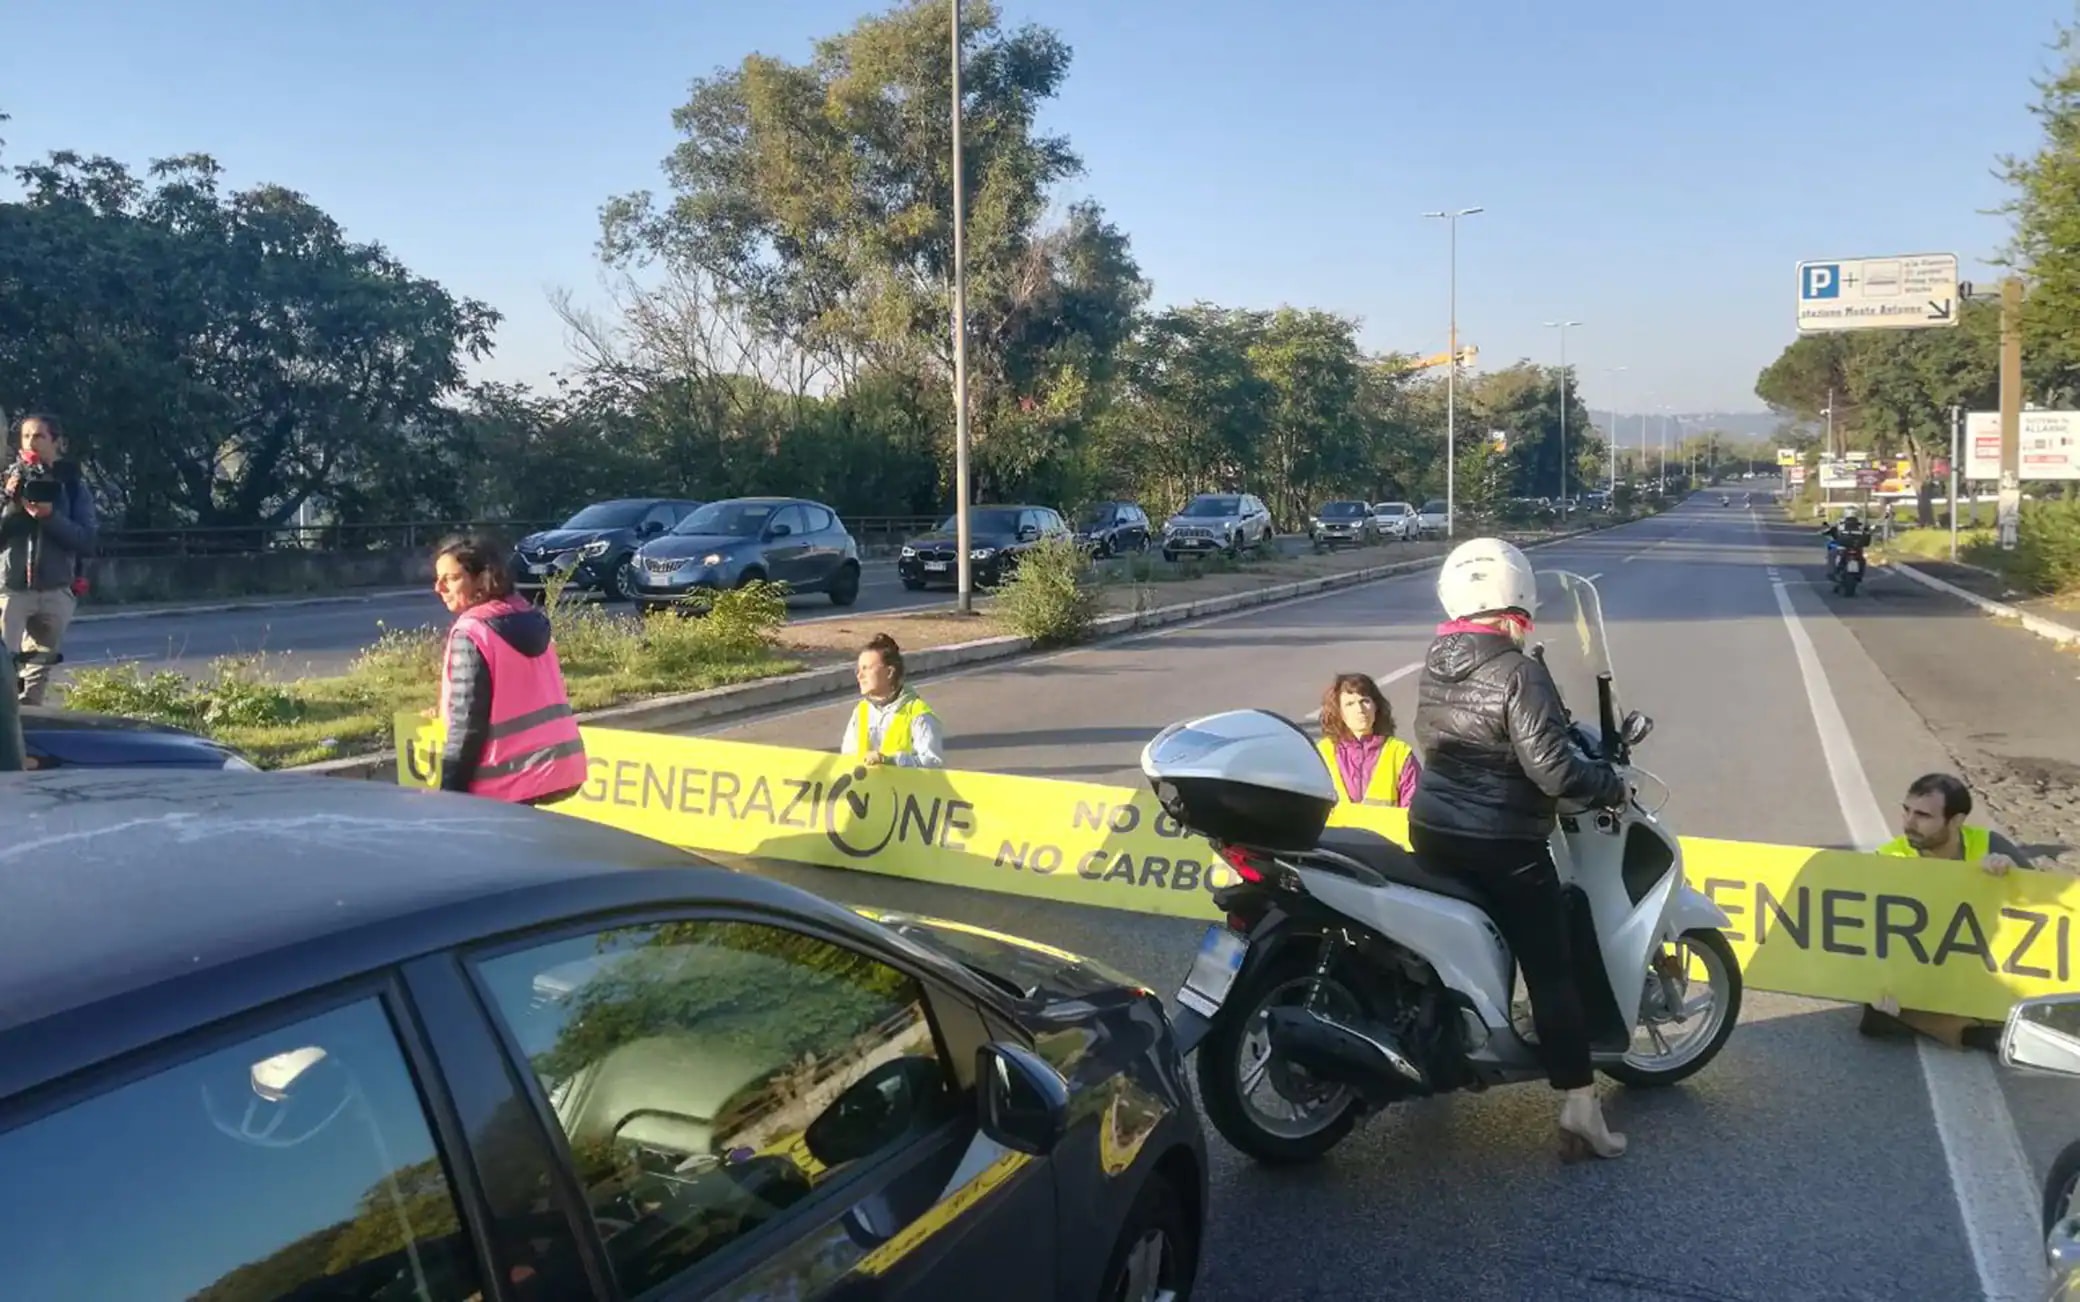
(533, 749)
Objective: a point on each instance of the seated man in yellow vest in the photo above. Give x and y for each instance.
(1932, 823)
(892, 724)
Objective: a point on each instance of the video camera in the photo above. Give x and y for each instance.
(35, 481)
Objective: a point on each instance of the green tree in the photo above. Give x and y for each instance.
(817, 198)
(2045, 210)
(223, 357)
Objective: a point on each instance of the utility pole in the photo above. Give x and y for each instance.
(1451, 375)
(1562, 327)
(1956, 455)
(966, 569)
(2010, 509)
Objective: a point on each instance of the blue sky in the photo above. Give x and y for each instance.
(1651, 169)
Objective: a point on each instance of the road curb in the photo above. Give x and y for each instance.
(2044, 628)
(809, 684)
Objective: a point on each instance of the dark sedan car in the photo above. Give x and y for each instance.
(742, 540)
(56, 738)
(303, 1037)
(596, 545)
(996, 537)
(1114, 528)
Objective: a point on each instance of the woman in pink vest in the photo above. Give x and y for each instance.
(510, 731)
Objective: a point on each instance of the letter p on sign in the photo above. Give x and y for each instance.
(1820, 280)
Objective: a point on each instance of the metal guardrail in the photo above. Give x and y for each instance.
(408, 535)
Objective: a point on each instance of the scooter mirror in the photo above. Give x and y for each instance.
(1637, 727)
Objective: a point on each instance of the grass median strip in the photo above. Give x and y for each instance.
(606, 661)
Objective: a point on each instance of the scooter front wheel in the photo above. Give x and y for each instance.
(1269, 1109)
(1706, 1017)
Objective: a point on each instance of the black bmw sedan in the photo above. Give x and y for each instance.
(268, 1036)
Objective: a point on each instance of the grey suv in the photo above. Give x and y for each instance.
(741, 540)
(1217, 522)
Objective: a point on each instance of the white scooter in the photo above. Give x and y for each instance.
(1348, 976)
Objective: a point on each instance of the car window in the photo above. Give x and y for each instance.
(794, 518)
(664, 515)
(1051, 522)
(820, 520)
(727, 519)
(296, 1163)
(693, 1066)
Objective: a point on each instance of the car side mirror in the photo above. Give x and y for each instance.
(779, 531)
(879, 1108)
(1637, 727)
(1024, 1101)
(1029, 532)
(650, 528)
(2043, 1034)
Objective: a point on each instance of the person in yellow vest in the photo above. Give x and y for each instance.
(892, 724)
(1933, 826)
(1370, 764)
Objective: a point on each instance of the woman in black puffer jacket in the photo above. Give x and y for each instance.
(1498, 759)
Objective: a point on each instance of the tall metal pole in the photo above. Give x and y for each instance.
(2008, 511)
(1613, 503)
(1451, 376)
(1562, 326)
(1956, 455)
(966, 571)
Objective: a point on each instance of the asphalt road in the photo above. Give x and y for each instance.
(1807, 1162)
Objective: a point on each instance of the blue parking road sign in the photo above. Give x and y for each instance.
(1820, 280)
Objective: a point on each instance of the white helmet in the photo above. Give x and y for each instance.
(1851, 511)
(1485, 576)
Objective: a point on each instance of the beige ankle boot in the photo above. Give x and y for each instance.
(1582, 1130)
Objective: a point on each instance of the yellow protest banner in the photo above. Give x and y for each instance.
(1940, 936)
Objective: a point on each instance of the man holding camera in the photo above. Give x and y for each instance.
(47, 529)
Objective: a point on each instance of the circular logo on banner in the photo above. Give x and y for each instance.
(852, 836)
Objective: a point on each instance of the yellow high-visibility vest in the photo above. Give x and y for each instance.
(1393, 757)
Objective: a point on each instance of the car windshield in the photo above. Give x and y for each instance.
(983, 522)
(608, 515)
(1342, 510)
(1433, 508)
(729, 519)
(1212, 506)
(1391, 508)
(1097, 516)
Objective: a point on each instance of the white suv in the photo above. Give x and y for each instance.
(1397, 520)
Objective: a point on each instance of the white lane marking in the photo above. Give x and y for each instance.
(1996, 1194)
(1594, 577)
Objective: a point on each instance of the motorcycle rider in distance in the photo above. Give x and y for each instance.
(1499, 757)
(1850, 531)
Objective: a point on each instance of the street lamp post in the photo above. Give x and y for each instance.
(1451, 373)
(1562, 327)
(1613, 504)
(966, 570)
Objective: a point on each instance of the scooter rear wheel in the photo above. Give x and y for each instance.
(1238, 1047)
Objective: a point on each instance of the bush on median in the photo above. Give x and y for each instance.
(606, 660)
(1051, 598)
